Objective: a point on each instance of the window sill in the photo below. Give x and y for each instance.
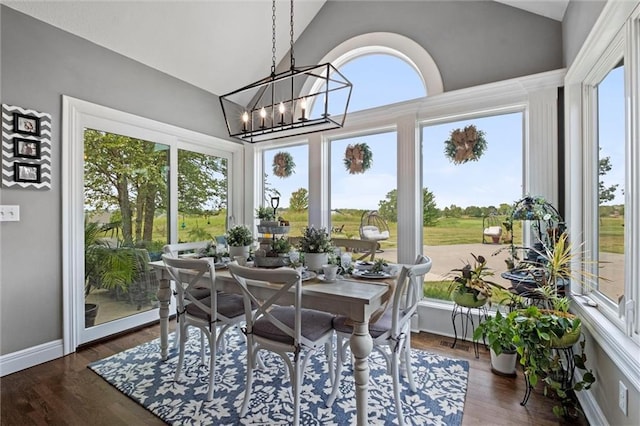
(622, 349)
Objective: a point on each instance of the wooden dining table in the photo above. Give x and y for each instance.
(356, 299)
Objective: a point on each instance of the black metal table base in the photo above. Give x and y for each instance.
(566, 375)
(466, 315)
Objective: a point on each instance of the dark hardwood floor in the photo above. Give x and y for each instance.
(66, 392)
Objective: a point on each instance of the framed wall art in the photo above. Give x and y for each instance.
(26, 172)
(26, 148)
(26, 124)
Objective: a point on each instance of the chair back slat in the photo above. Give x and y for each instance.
(187, 275)
(289, 293)
(174, 250)
(408, 291)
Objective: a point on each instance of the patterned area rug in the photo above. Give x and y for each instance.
(140, 374)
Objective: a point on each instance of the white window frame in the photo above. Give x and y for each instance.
(616, 34)
(78, 115)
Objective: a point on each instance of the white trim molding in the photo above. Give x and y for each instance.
(16, 361)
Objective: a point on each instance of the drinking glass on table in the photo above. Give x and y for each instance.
(345, 262)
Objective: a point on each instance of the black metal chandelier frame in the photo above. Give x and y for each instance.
(273, 108)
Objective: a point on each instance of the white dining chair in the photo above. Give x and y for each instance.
(281, 325)
(218, 310)
(187, 249)
(391, 332)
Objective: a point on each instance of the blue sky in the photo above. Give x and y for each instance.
(611, 129)
(496, 178)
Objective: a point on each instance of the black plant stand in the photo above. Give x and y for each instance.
(566, 378)
(466, 316)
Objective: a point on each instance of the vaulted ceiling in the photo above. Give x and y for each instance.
(205, 43)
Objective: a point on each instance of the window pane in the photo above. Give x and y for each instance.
(380, 79)
(364, 201)
(125, 200)
(611, 174)
(463, 198)
(286, 175)
(202, 196)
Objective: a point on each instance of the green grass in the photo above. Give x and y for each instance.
(611, 234)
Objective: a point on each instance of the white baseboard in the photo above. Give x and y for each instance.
(16, 361)
(589, 405)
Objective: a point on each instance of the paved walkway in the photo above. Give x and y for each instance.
(447, 257)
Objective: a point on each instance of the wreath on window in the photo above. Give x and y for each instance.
(464, 145)
(358, 158)
(283, 164)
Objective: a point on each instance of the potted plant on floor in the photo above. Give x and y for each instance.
(469, 287)
(543, 341)
(315, 245)
(239, 239)
(499, 332)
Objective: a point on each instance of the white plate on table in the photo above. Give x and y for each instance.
(371, 275)
(308, 275)
(362, 265)
(324, 280)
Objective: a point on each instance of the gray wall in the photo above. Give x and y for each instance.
(578, 21)
(472, 43)
(39, 64)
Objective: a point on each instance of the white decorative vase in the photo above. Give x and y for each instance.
(314, 261)
(504, 364)
(239, 251)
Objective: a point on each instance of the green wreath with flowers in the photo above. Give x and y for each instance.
(358, 158)
(283, 164)
(465, 145)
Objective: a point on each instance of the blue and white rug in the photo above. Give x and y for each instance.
(140, 374)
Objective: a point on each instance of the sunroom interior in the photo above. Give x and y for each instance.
(534, 76)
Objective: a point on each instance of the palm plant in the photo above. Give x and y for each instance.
(106, 266)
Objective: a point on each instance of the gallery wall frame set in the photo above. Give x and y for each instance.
(26, 148)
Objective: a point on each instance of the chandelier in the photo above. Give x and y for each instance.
(274, 107)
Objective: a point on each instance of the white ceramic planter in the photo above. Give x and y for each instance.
(238, 251)
(314, 261)
(504, 364)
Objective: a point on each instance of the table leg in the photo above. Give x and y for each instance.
(164, 297)
(361, 345)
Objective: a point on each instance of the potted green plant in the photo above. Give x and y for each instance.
(470, 287)
(239, 239)
(266, 216)
(499, 332)
(544, 341)
(104, 266)
(315, 245)
(280, 247)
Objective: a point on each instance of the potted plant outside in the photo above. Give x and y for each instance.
(315, 245)
(469, 287)
(104, 266)
(239, 239)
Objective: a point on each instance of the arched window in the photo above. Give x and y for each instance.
(381, 79)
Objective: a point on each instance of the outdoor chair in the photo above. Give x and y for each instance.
(218, 310)
(368, 248)
(281, 325)
(391, 332)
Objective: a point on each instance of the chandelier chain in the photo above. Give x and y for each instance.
(273, 38)
(293, 60)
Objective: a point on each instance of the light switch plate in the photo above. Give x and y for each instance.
(622, 397)
(9, 213)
